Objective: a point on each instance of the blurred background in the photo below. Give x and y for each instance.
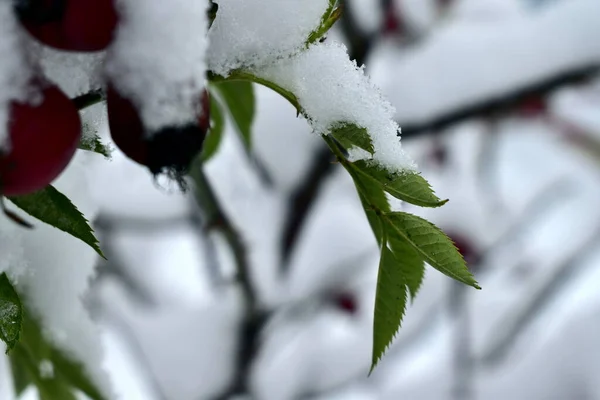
(499, 102)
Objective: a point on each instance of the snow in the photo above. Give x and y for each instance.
(197, 338)
(460, 64)
(252, 33)
(15, 71)
(58, 274)
(333, 91)
(157, 59)
(51, 270)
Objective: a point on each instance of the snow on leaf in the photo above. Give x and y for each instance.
(239, 98)
(157, 59)
(252, 33)
(92, 142)
(331, 89)
(11, 313)
(390, 303)
(407, 186)
(350, 135)
(54, 208)
(431, 244)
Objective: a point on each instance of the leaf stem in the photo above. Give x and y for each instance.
(88, 99)
(239, 75)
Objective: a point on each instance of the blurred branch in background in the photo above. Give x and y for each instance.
(254, 318)
(462, 360)
(500, 105)
(510, 331)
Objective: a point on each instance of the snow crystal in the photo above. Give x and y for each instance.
(254, 32)
(14, 70)
(157, 58)
(333, 91)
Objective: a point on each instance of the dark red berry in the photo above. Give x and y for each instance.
(532, 106)
(43, 140)
(346, 302)
(71, 25)
(467, 248)
(170, 150)
(393, 23)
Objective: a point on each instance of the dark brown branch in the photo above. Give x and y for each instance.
(499, 105)
(88, 99)
(302, 200)
(254, 318)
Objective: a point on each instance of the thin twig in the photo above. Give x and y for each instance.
(510, 331)
(254, 318)
(88, 99)
(499, 105)
(301, 201)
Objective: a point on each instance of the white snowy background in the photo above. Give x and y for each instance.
(524, 191)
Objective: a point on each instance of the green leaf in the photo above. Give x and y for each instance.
(373, 218)
(329, 18)
(431, 244)
(11, 313)
(372, 196)
(410, 262)
(33, 349)
(92, 142)
(74, 373)
(407, 186)
(239, 98)
(54, 208)
(213, 140)
(390, 304)
(49, 387)
(351, 135)
(240, 75)
(21, 379)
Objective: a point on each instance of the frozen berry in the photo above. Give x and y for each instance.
(170, 150)
(467, 249)
(346, 302)
(71, 25)
(532, 106)
(43, 139)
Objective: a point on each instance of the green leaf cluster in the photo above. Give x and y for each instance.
(30, 353)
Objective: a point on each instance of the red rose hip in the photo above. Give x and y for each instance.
(170, 150)
(43, 140)
(71, 25)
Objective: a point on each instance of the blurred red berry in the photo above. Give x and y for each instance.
(346, 302)
(392, 22)
(71, 25)
(532, 106)
(467, 248)
(43, 140)
(170, 150)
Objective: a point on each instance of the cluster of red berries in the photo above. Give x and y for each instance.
(44, 136)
